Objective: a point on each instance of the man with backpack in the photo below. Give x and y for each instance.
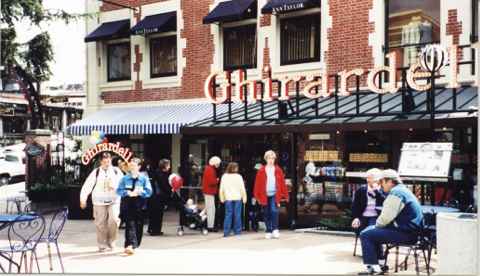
(102, 184)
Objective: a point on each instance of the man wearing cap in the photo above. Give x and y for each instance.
(399, 221)
(102, 184)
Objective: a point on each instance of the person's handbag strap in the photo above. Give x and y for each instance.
(96, 179)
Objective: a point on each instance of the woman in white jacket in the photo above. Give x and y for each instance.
(233, 195)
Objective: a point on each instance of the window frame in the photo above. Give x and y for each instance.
(474, 34)
(318, 44)
(109, 47)
(386, 47)
(227, 67)
(150, 44)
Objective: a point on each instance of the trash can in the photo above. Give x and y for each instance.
(457, 242)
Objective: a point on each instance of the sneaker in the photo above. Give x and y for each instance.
(276, 234)
(102, 249)
(268, 236)
(129, 250)
(371, 271)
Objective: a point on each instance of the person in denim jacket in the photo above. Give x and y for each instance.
(134, 188)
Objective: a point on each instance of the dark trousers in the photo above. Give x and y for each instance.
(373, 238)
(270, 212)
(233, 212)
(179, 205)
(156, 205)
(134, 228)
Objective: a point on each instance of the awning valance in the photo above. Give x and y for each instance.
(110, 30)
(163, 22)
(162, 119)
(282, 6)
(232, 10)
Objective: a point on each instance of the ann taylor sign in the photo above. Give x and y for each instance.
(288, 7)
(318, 85)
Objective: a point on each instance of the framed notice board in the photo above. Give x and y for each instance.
(425, 159)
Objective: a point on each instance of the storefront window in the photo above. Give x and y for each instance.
(410, 26)
(119, 65)
(163, 56)
(239, 47)
(300, 39)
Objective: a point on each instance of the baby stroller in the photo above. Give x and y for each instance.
(255, 215)
(190, 216)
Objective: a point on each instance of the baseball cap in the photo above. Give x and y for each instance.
(391, 174)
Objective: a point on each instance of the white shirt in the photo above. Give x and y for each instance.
(271, 181)
(102, 187)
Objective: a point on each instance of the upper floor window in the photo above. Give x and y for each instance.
(300, 39)
(240, 47)
(410, 26)
(118, 61)
(163, 56)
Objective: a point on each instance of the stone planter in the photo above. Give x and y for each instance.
(457, 242)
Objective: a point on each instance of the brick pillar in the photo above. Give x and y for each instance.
(349, 35)
(454, 28)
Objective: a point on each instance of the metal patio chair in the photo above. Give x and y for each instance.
(55, 228)
(424, 244)
(24, 235)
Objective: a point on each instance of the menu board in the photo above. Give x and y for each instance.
(368, 157)
(322, 155)
(425, 159)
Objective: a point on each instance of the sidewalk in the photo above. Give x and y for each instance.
(293, 253)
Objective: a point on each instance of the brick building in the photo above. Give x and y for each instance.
(148, 61)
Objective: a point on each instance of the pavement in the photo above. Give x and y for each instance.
(295, 252)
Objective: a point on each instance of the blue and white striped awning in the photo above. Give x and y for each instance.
(163, 119)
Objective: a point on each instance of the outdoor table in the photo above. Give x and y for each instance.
(6, 220)
(430, 209)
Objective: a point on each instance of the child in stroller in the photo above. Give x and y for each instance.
(193, 218)
(190, 215)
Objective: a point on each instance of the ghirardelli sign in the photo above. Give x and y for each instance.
(318, 84)
(125, 153)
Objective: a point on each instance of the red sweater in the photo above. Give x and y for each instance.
(260, 188)
(210, 181)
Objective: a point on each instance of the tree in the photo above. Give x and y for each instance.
(35, 55)
(28, 61)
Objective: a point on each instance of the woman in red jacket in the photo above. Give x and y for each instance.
(269, 190)
(210, 189)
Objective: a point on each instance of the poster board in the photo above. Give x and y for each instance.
(425, 159)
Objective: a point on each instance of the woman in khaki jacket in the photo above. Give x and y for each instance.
(232, 194)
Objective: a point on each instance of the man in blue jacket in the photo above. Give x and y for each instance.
(399, 222)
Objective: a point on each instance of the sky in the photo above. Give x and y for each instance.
(69, 49)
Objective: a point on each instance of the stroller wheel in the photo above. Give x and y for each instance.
(180, 232)
(205, 232)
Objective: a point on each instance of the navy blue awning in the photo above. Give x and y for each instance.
(163, 22)
(232, 10)
(282, 6)
(110, 30)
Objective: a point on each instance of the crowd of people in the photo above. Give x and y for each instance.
(384, 210)
(124, 194)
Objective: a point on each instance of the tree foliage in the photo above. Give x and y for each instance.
(34, 55)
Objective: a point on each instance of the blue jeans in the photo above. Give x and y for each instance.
(373, 237)
(270, 213)
(233, 211)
